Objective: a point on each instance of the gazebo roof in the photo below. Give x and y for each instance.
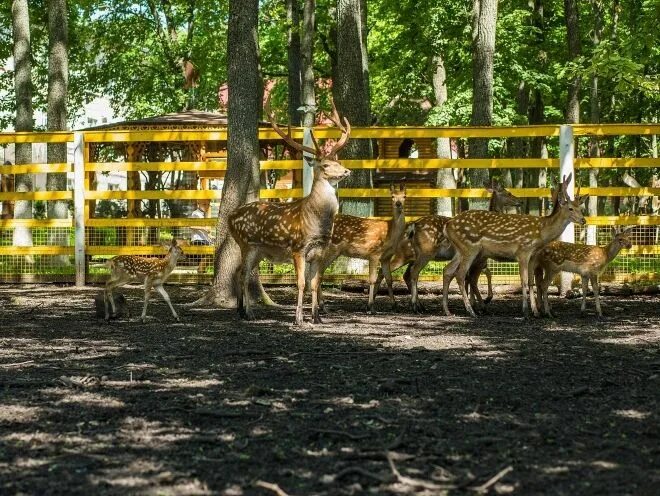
(191, 119)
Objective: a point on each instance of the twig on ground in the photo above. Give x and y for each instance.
(409, 481)
(271, 487)
(17, 364)
(486, 485)
(355, 437)
(361, 471)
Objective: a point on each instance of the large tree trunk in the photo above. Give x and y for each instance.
(484, 20)
(244, 110)
(294, 60)
(58, 81)
(307, 52)
(594, 148)
(351, 94)
(23, 88)
(445, 177)
(574, 50)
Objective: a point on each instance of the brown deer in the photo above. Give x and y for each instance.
(587, 261)
(427, 242)
(298, 230)
(375, 240)
(153, 271)
(504, 236)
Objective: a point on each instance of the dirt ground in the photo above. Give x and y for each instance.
(393, 403)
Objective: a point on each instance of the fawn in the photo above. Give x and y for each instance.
(375, 240)
(153, 271)
(587, 261)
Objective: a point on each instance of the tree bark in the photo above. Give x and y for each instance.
(244, 109)
(574, 51)
(307, 52)
(58, 82)
(351, 94)
(445, 177)
(294, 60)
(484, 19)
(23, 88)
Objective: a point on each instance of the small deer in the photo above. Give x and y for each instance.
(587, 261)
(375, 240)
(427, 242)
(504, 236)
(153, 271)
(298, 230)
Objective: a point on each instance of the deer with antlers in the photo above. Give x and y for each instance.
(516, 237)
(587, 261)
(299, 230)
(425, 241)
(153, 271)
(375, 240)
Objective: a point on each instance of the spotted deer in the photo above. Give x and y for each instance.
(374, 240)
(426, 241)
(587, 261)
(152, 271)
(298, 230)
(504, 236)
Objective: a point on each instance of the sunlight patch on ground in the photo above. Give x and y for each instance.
(632, 414)
(18, 413)
(604, 464)
(185, 382)
(89, 399)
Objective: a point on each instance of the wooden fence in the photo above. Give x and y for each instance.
(43, 261)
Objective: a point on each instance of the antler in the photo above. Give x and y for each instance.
(345, 130)
(287, 137)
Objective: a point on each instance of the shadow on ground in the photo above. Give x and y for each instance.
(393, 403)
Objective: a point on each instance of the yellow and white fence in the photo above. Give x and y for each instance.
(91, 240)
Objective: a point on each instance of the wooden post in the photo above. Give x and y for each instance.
(79, 207)
(566, 156)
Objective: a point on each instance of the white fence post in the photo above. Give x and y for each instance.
(566, 156)
(79, 206)
(308, 171)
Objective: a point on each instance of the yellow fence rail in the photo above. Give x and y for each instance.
(91, 240)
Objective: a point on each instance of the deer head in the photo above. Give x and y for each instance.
(622, 238)
(573, 207)
(398, 197)
(501, 198)
(325, 165)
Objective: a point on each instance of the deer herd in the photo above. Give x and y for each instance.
(312, 234)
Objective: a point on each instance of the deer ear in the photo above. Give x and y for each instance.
(391, 187)
(490, 190)
(402, 187)
(582, 199)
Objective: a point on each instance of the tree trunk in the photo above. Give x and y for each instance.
(58, 81)
(445, 177)
(307, 52)
(351, 94)
(23, 88)
(294, 59)
(574, 51)
(484, 19)
(594, 148)
(521, 145)
(244, 110)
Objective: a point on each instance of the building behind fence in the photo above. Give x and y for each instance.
(167, 170)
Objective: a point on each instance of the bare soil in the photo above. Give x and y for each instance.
(392, 403)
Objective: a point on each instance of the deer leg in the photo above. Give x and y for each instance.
(461, 274)
(316, 277)
(595, 285)
(447, 275)
(373, 274)
(299, 264)
(524, 281)
(166, 297)
(109, 297)
(385, 269)
(147, 290)
(585, 290)
(415, 270)
(250, 259)
(489, 278)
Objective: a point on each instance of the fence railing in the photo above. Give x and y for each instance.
(89, 240)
